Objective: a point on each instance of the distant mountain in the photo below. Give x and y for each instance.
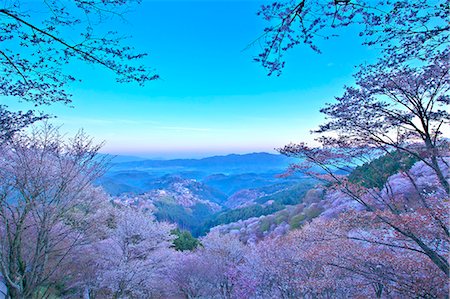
(243, 197)
(127, 181)
(178, 200)
(121, 158)
(227, 174)
(181, 186)
(199, 193)
(255, 162)
(232, 183)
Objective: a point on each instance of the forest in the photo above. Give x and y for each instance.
(371, 222)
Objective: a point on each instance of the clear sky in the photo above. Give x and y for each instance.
(212, 98)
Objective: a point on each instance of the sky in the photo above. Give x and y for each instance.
(211, 98)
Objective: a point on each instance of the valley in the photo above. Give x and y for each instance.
(198, 194)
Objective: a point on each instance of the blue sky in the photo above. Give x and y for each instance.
(212, 98)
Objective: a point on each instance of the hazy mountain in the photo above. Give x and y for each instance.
(182, 186)
(255, 162)
(232, 183)
(121, 158)
(183, 201)
(243, 197)
(227, 174)
(127, 181)
(191, 192)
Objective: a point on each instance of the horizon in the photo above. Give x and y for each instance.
(184, 155)
(212, 98)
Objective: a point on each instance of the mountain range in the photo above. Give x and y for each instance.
(199, 193)
(233, 163)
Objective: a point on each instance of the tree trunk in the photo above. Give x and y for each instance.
(86, 293)
(437, 259)
(434, 161)
(14, 293)
(440, 175)
(378, 289)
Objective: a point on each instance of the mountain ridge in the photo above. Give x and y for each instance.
(251, 160)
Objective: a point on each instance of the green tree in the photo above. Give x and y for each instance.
(184, 240)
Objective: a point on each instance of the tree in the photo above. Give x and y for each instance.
(132, 258)
(210, 271)
(47, 206)
(38, 43)
(184, 240)
(370, 253)
(401, 29)
(376, 172)
(401, 110)
(287, 267)
(190, 276)
(13, 122)
(79, 276)
(398, 105)
(394, 111)
(224, 253)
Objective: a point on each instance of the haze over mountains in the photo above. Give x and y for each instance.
(226, 173)
(194, 192)
(253, 162)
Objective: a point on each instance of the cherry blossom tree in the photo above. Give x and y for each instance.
(410, 213)
(212, 270)
(132, 259)
(402, 109)
(79, 274)
(47, 206)
(190, 276)
(12, 122)
(224, 254)
(375, 257)
(40, 38)
(393, 108)
(401, 29)
(286, 267)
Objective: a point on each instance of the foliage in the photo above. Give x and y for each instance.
(401, 29)
(277, 224)
(391, 110)
(398, 106)
(172, 212)
(376, 172)
(281, 216)
(13, 122)
(355, 253)
(264, 225)
(338, 258)
(242, 214)
(184, 240)
(312, 211)
(40, 38)
(297, 221)
(185, 218)
(211, 271)
(399, 109)
(132, 259)
(47, 206)
(290, 196)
